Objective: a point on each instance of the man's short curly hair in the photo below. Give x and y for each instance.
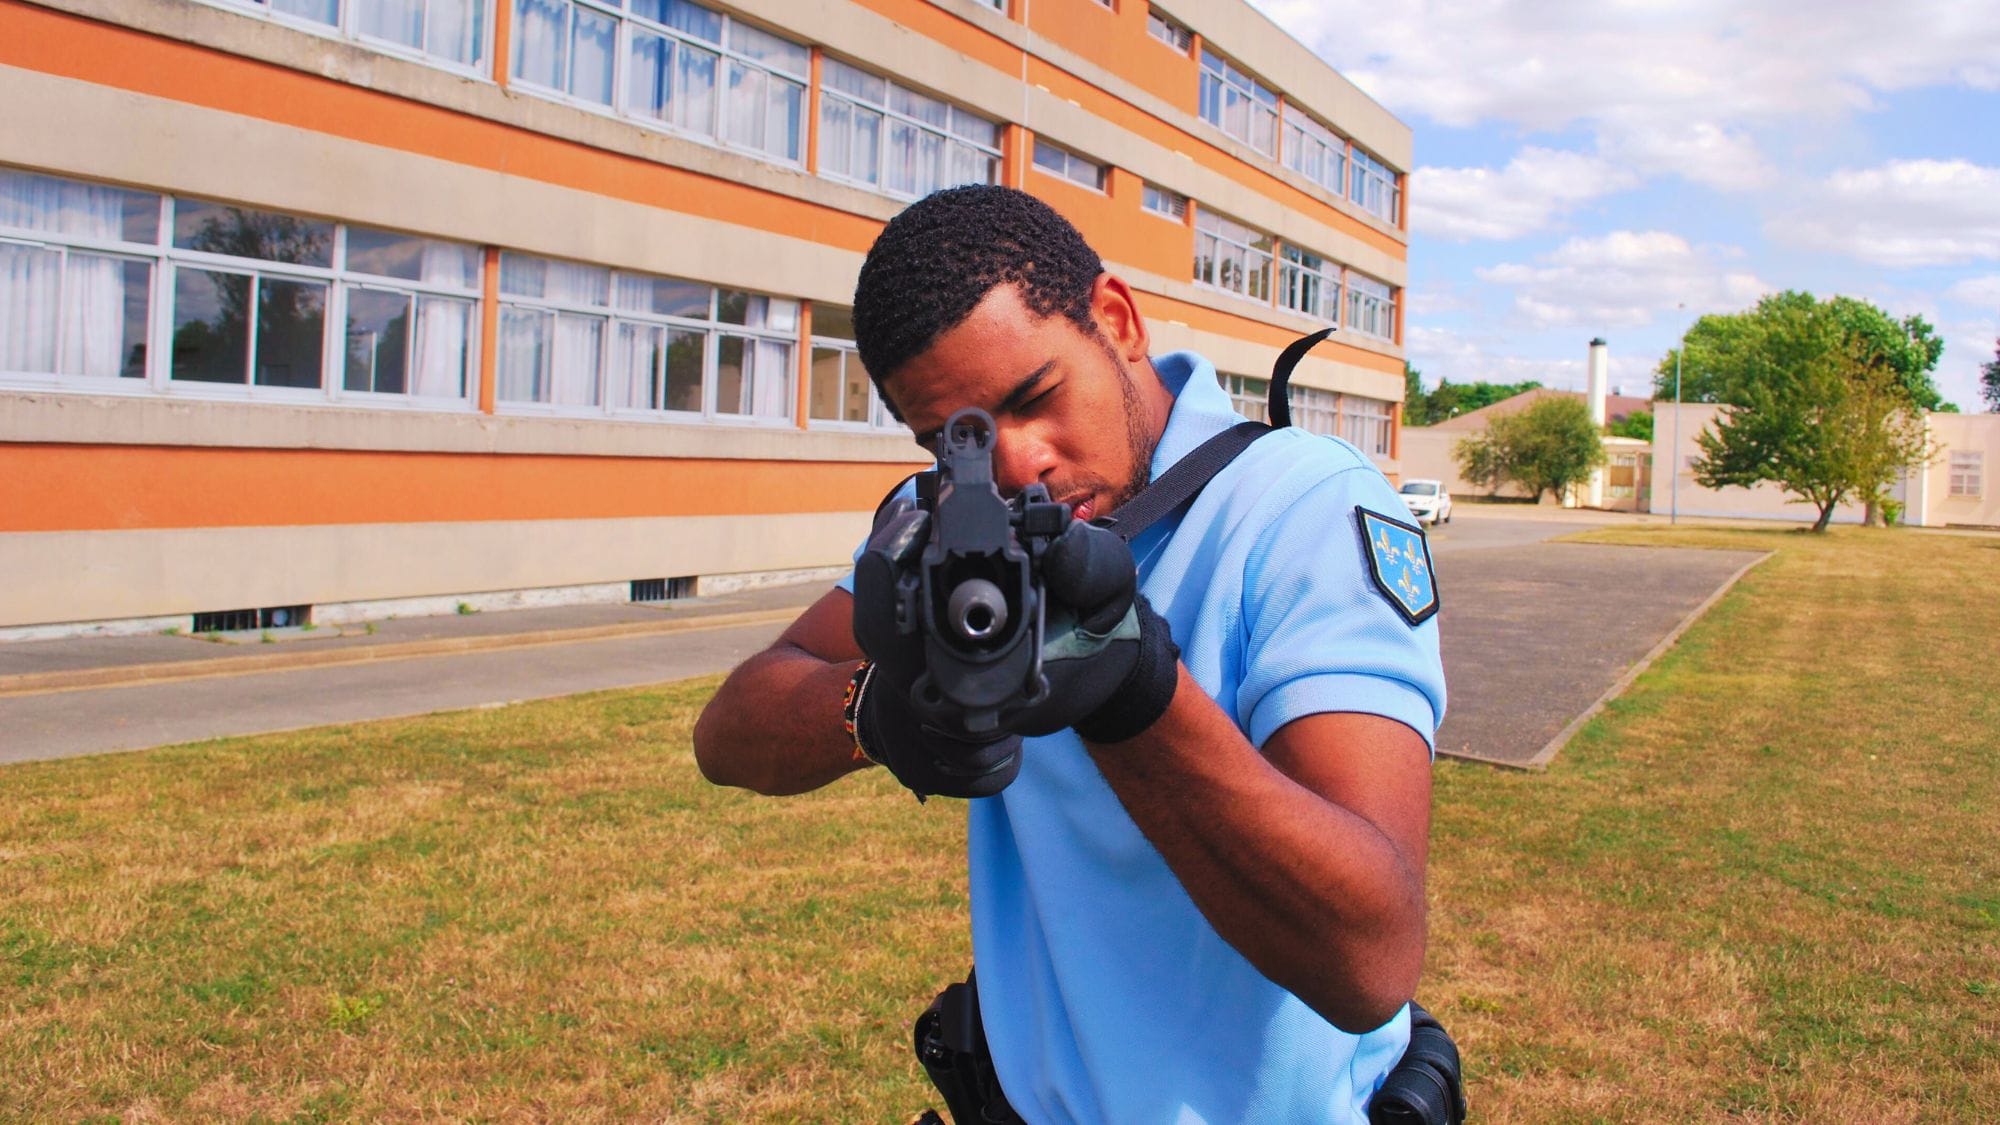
(939, 258)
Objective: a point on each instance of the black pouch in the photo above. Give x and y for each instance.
(951, 1044)
(1426, 1088)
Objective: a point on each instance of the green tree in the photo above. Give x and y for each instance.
(1638, 424)
(1549, 447)
(1989, 379)
(1837, 427)
(1416, 402)
(1725, 354)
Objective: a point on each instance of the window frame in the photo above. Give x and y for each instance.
(627, 25)
(1248, 247)
(166, 261)
(1175, 213)
(1294, 274)
(1224, 81)
(345, 28)
(1097, 173)
(1168, 31)
(857, 103)
(611, 315)
(879, 420)
(1360, 294)
(1368, 174)
(1965, 475)
(1297, 121)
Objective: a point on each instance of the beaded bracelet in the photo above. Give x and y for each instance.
(850, 709)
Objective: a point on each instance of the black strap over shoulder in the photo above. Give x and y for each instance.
(1185, 479)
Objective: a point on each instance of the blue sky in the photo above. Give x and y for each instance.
(1616, 168)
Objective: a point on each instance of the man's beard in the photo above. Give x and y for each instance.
(1139, 438)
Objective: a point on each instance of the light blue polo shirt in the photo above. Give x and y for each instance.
(1107, 997)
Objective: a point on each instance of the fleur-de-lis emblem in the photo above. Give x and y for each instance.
(1399, 564)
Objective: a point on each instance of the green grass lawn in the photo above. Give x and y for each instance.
(1763, 885)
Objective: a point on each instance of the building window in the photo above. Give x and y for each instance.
(1365, 423)
(1068, 165)
(447, 31)
(577, 337)
(1238, 104)
(672, 64)
(1309, 284)
(1250, 396)
(76, 278)
(880, 135)
(1314, 152)
(1967, 474)
(1371, 307)
(1164, 28)
(1313, 410)
(1373, 186)
(841, 391)
(1231, 256)
(1164, 203)
(252, 297)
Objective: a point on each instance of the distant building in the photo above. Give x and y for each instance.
(1956, 490)
(341, 308)
(1623, 484)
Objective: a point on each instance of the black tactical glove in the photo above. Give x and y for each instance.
(929, 759)
(1110, 661)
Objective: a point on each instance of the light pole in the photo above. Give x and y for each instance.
(1674, 458)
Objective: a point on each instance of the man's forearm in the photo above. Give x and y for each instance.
(1314, 895)
(775, 725)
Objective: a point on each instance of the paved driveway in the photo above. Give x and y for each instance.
(1536, 632)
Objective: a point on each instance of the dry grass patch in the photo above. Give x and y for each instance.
(1761, 886)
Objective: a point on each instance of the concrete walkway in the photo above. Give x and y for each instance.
(1534, 632)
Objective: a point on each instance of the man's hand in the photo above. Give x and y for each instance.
(928, 758)
(1110, 661)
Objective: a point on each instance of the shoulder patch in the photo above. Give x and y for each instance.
(1399, 561)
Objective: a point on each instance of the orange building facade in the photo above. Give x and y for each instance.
(329, 309)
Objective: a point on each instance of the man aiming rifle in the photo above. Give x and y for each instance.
(1197, 863)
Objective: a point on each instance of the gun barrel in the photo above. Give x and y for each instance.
(976, 609)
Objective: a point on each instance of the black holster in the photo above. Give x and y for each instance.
(951, 1044)
(1426, 1087)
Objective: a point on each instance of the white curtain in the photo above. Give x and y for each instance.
(770, 384)
(634, 361)
(398, 21)
(30, 281)
(524, 346)
(452, 30)
(578, 353)
(541, 47)
(444, 325)
(49, 315)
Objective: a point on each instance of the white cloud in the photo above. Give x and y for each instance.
(1981, 292)
(1625, 279)
(1968, 344)
(1903, 213)
(1444, 354)
(1674, 86)
(1526, 196)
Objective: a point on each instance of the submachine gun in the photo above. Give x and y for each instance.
(963, 565)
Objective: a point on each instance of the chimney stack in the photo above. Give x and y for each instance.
(1600, 377)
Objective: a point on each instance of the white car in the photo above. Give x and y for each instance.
(1427, 501)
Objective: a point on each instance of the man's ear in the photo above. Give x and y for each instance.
(1116, 311)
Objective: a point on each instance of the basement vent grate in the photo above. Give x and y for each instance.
(243, 620)
(662, 589)
(225, 621)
